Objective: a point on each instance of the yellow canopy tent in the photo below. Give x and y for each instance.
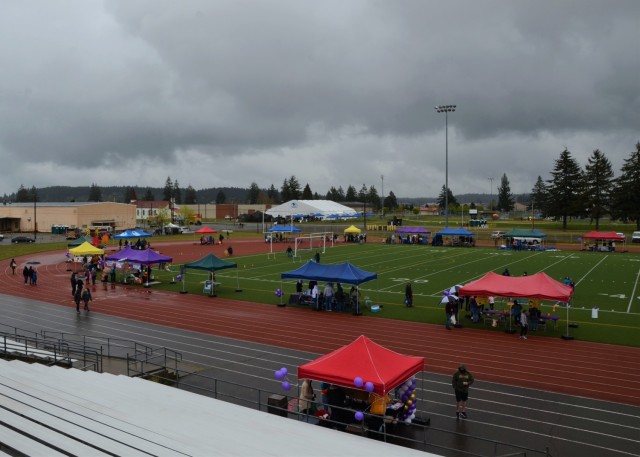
(86, 248)
(352, 229)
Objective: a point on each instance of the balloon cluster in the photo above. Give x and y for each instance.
(369, 387)
(408, 397)
(281, 375)
(278, 293)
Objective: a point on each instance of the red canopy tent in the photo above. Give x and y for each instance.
(538, 285)
(206, 231)
(608, 236)
(363, 358)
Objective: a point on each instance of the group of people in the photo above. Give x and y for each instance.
(79, 292)
(140, 244)
(330, 298)
(336, 401)
(30, 274)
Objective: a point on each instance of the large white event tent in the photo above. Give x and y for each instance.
(318, 208)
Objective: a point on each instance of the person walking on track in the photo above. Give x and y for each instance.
(462, 380)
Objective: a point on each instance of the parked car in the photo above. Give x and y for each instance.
(622, 235)
(22, 239)
(497, 235)
(635, 238)
(1, 237)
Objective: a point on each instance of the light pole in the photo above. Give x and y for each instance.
(491, 192)
(446, 109)
(382, 193)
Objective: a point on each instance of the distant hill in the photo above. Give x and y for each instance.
(232, 194)
(117, 194)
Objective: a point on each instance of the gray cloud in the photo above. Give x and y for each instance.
(224, 93)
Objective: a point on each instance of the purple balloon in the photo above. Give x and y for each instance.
(279, 375)
(284, 370)
(179, 277)
(446, 292)
(286, 386)
(358, 382)
(369, 386)
(359, 416)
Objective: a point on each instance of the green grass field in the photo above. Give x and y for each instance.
(610, 282)
(607, 281)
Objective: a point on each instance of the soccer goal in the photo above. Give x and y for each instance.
(311, 241)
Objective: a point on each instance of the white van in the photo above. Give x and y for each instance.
(635, 238)
(185, 229)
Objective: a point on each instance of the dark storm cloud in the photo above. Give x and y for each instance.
(259, 90)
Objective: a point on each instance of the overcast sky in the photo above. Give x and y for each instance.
(336, 92)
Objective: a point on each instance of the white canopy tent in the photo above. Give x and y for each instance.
(318, 208)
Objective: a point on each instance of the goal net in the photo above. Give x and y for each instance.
(313, 241)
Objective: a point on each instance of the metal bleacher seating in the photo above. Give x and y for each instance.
(51, 410)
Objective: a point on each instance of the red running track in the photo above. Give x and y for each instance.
(580, 368)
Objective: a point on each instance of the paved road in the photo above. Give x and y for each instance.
(567, 425)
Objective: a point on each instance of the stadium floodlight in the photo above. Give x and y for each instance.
(446, 109)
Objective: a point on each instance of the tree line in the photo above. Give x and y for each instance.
(590, 192)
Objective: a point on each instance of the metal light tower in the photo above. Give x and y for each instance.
(491, 193)
(446, 109)
(382, 195)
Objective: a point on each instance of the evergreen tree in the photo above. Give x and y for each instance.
(539, 196)
(306, 193)
(351, 195)
(33, 194)
(340, 196)
(253, 194)
(391, 202)
(220, 198)
(598, 184)
(129, 195)
(167, 192)
(373, 199)
(273, 194)
(22, 196)
(565, 188)
(506, 201)
(626, 194)
(149, 197)
(177, 194)
(332, 194)
(285, 192)
(95, 193)
(362, 194)
(441, 199)
(190, 197)
(294, 188)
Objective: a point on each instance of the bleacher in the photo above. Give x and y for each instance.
(48, 411)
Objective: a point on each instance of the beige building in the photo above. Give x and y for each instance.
(43, 216)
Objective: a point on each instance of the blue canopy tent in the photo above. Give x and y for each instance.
(342, 273)
(133, 233)
(284, 229)
(460, 237)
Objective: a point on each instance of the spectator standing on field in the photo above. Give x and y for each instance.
(13, 266)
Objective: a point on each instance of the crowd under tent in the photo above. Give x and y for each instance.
(364, 362)
(458, 236)
(343, 273)
(527, 237)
